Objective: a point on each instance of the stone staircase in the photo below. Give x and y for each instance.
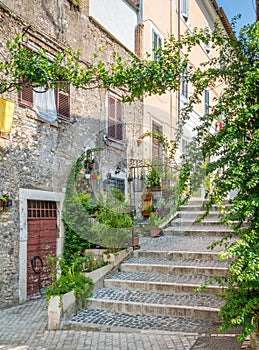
(154, 289)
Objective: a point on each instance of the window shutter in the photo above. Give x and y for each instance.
(115, 116)
(111, 117)
(63, 103)
(184, 82)
(119, 124)
(185, 8)
(207, 32)
(206, 101)
(156, 43)
(26, 95)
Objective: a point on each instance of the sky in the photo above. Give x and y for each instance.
(244, 7)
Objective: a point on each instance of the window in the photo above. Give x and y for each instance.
(206, 101)
(117, 183)
(115, 118)
(184, 82)
(184, 145)
(62, 98)
(185, 9)
(156, 43)
(207, 33)
(156, 146)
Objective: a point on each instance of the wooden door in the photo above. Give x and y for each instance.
(42, 241)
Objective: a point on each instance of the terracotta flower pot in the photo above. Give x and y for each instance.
(155, 232)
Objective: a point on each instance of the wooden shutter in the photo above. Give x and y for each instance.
(111, 117)
(63, 103)
(206, 101)
(26, 95)
(115, 118)
(184, 82)
(156, 146)
(119, 124)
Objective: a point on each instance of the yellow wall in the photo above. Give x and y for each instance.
(163, 16)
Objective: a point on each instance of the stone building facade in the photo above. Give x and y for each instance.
(36, 157)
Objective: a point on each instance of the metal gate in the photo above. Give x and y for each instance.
(42, 241)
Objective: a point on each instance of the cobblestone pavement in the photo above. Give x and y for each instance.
(172, 262)
(182, 243)
(142, 297)
(24, 327)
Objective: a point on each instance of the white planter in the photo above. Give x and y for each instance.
(60, 308)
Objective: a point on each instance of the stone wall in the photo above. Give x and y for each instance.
(39, 155)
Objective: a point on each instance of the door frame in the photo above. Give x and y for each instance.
(24, 195)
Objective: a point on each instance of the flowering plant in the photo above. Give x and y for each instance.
(87, 261)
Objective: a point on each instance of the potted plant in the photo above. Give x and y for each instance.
(145, 212)
(154, 222)
(113, 222)
(5, 202)
(134, 238)
(146, 196)
(153, 180)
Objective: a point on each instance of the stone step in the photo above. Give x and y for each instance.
(173, 266)
(163, 283)
(198, 207)
(169, 244)
(203, 201)
(104, 320)
(188, 222)
(181, 255)
(187, 305)
(195, 215)
(196, 230)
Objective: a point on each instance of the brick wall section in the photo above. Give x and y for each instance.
(85, 6)
(39, 155)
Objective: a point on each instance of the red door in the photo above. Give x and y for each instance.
(42, 237)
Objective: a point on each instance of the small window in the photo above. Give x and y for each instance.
(206, 101)
(115, 118)
(156, 146)
(207, 33)
(184, 82)
(184, 146)
(156, 43)
(62, 97)
(185, 9)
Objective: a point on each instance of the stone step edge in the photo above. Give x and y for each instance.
(149, 305)
(176, 252)
(111, 280)
(95, 327)
(199, 230)
(172, 267)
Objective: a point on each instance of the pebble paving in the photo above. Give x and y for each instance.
(24, 327)
(181, 243)
(142, 297)
(145, 322)
(152, 277)
(172, 262)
